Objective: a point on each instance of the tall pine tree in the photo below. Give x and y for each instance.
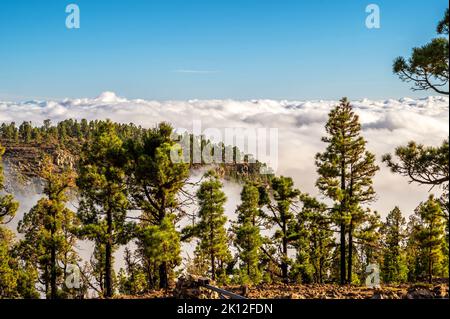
(104, 203)
(345, 173)
(155, 181)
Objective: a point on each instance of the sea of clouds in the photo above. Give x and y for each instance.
(386, 124)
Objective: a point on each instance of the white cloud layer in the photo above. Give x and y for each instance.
(386, 125)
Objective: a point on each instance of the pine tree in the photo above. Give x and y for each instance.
(427, 68)
(315, 219)
(48, 228)
(104, 202)
(248, 239)
(210, 228)
(345, 173)
(25, 130)
(155, 182)
(394, 268)
(428, 233)
(423, 165)
(413, 260)
(284, 195)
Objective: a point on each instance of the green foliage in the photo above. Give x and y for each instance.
(48, 229)
(104, 201)
(159, 245)
(345, 168)
(131, 280)
(369, 245)
(281, 216)
(8, 275)
(199, 264)
(315, 240)
(394, 268)
(155, 182)
(210, 228)
(427, 68)
(443, 25)
(9, 132)
(16, 277)
(423, 165)
(248, 239)
(427, 242)
(69, 133)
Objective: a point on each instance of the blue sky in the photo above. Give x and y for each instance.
(181, 49)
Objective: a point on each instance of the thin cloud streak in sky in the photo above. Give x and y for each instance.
(187, 71)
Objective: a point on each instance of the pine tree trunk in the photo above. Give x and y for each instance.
(320, 271)
(248, 258)
(342, 247)
(108, 257)
(163, 280)
(150, 281)
(350, 253)
(430, 272)
(430, 268)
(284, 266)
(53, 288)
(343, 187)
(47, 284)
(213, 267)
(320, 262)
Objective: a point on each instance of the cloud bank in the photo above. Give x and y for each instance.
(386, 125)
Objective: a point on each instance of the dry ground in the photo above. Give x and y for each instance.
(325, 291)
